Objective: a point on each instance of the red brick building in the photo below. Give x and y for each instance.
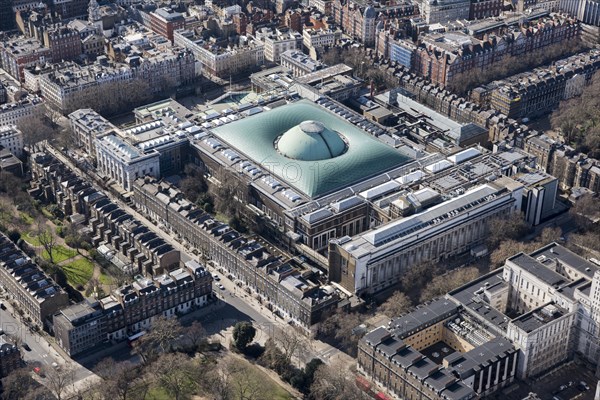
(64, 43)
(485, 8)
(20, 53)
(164, 21)
(441, 57)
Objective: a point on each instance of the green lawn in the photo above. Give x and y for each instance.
(106, 279)
(31, 238)
(28, 219)
(271, 390)
(159, 393)
(59, 254)
(79, 272)
(47, 214)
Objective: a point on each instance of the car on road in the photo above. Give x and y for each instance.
(39, 371)
(216, 277)
(26, 346)
(583, 386)
(221, 286)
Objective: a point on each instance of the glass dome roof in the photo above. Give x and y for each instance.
(311, 141)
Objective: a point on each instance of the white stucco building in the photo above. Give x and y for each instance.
(124, 163)
(11, 138)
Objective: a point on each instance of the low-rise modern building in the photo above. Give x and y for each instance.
(35, 293)
(132, 308)
(10, 163)
(165, 21)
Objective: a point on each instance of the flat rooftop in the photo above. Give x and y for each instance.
(475, 303)
(539, 317)
(424, 315)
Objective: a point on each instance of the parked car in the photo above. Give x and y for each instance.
(221, 286)
(26, 346)
(216, 277)
(583, 386)
(2, 306)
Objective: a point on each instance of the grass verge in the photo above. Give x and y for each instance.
(79, 272)
(59, 254)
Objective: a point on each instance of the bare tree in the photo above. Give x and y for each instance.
(396, 305)
(177, 374)
(195, 335)
(585, 243)
(291, 343)
(17, 385)
(160, 339)
(338, 327)
(245, 386)
(60, 380)
(334, 382)
(509, 248)
(548, 235)
(36, 129)
(585, 211)
(509, 226)
(217, 382)
(47, 240)
(442, 284)
(119, 378)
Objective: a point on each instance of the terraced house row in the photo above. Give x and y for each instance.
(37, 295)
(289, 287)
(139, 250)
(132, 308)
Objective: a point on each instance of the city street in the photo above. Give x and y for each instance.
(42, 351)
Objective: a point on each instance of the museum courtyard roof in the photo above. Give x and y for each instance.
(299, 160)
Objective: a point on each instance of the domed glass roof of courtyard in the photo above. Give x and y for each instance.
(310, 148)
(311, 141)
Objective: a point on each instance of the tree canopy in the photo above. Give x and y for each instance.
(243, 334)
(578, 119)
